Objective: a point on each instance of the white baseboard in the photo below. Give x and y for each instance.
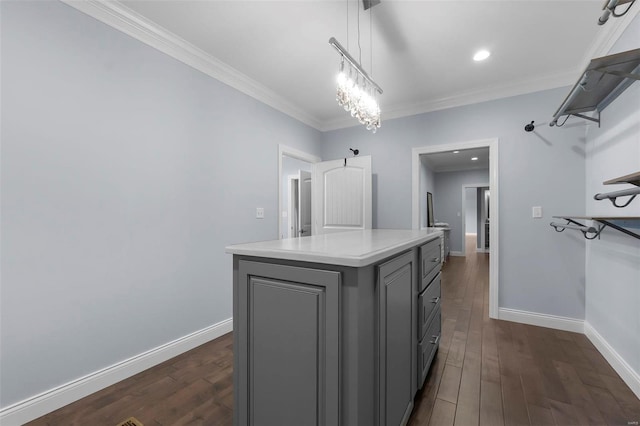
(46, 402)
(542, 320)
(482, 250)
(456, 253)
(630, 377)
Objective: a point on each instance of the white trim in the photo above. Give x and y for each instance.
(494, 237)
(120, 17)
(626, 372)
(48, 401)
(456, 253)
(293, 153)
(542, 320)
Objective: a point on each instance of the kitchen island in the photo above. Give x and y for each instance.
(334, 329)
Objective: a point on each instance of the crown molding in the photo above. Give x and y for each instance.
(509, 89)
(120, 17)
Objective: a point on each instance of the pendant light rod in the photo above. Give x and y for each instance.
(342, 51)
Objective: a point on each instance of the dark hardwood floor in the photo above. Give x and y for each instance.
(486, 372)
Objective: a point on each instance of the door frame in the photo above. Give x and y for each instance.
(494, 248)
(464, 207)
(291, 208)
(293, 153)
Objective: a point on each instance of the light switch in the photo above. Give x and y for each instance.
(536, 212)
(260, 213)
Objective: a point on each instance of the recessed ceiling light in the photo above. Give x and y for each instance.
(481, 55)
(474, 158)
(455, 152)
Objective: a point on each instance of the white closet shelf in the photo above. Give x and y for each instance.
(633, 179)
(601, 83)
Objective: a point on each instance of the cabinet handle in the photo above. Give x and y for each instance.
(435, 259)
(435, 342)
(435, 300)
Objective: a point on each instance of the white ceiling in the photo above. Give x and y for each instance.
(448, 161)
(278, 51)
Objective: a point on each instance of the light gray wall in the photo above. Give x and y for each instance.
(427, 182)
(471, 209)
(613, 261)
(124, 175)
(538, 271)
(447, 201)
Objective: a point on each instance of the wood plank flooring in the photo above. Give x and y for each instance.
(491, 372)
(486, 372)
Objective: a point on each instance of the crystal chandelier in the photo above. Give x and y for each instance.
(356, 91)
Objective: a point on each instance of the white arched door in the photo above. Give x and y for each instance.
(341, 195)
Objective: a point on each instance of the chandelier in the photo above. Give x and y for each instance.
(357, 92)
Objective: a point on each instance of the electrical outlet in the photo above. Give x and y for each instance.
(260, 213)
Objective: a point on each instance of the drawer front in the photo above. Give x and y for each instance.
(428, 301)
(427, 348)
(430, 256)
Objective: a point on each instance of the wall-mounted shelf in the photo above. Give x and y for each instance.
(619, 223)
(601, 83)
(633, 179)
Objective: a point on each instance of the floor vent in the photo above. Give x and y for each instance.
(131, 421)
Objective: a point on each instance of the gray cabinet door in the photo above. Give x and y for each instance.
(397, 334)
(288, 347)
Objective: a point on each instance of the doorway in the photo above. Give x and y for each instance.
(294, 177)
(416, 190)
(475, 220)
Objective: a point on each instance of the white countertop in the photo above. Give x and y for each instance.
(352, 248)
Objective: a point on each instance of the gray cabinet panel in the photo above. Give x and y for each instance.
(430, 259)
(427, 302)
(287, 358)
(285, 352)
(428, 346)
(396, 280)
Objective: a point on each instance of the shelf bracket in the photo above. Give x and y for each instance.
(606, 223)
(586, 117)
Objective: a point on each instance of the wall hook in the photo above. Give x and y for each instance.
(529, 127)
(355, 151)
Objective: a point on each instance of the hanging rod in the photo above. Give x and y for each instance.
(342, 51)
(609, 8)
(612, 196)
(621, 224)
(572, 224)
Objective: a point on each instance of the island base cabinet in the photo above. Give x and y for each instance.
(330, 344)
(397, 325)
(286, 347)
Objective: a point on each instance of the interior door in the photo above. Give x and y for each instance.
(341, 198)
(304, 203)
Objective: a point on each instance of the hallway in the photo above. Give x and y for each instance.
(493, 372)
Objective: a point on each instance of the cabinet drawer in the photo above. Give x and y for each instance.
(430, 261)
(427, 348)
(428, 301)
